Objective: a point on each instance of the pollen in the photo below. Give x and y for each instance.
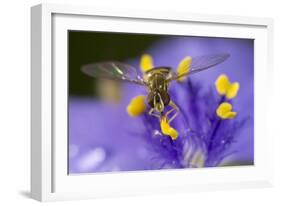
(137, 106)
(167, 129)
(183, 67)
(232, 90)
(224, 111)
(146, 62)
(225, 87)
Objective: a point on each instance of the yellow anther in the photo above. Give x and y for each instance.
(224, 111)
(137, 106)
(222, 84)
(146, 62)
(183, 67)
(232, 90)
(225, 87)
(167, 129)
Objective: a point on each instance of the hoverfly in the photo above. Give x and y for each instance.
(156, 80)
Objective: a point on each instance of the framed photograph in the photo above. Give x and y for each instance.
(138, 102)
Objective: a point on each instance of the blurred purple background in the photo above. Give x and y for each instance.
(103, 138)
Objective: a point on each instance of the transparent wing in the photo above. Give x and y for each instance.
(114, 71)
(202, 63)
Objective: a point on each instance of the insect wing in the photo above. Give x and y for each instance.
(114, 71)
(202, 63)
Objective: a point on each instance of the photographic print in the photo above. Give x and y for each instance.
(148, 102)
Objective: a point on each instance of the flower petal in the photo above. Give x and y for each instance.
(183, 67)
(224, 111)
(222, 84)
(232, 90)
(146, 62)
(136, 106)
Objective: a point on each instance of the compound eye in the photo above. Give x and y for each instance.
(150, 99)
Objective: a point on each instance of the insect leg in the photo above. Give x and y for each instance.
(170, 111)
(174, 107)
(151, 112)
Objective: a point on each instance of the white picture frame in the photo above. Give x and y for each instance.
(49, 178)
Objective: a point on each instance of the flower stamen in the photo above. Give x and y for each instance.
(224, 111)
(146, 62)
(183, 67)
(137, 106)
(167, 129)
(225, 87)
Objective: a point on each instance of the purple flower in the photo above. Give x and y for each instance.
(103, 137)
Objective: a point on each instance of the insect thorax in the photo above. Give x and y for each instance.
(156, 80)
(157, 73)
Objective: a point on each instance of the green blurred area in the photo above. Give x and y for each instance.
(91, 47)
